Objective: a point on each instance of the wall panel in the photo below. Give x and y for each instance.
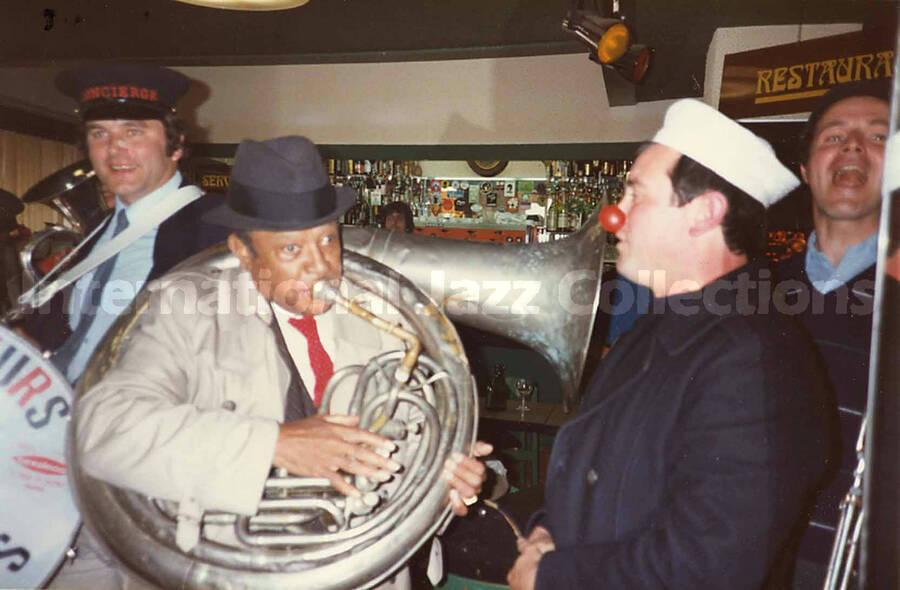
(25, 160)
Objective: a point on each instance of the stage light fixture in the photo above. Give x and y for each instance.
(611, 43)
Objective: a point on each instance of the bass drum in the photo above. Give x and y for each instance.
(40, 518)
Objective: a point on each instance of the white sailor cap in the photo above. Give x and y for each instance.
(742, 158)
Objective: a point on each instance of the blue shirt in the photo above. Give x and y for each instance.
(630, 301)
(826, 277)
(133, 265)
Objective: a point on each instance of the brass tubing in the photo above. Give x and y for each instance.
(407, 364)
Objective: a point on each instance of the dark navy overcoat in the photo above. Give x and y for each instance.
(699, 444)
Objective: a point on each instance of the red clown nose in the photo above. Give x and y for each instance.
(611, 218)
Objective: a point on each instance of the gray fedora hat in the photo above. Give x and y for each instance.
(280, 184)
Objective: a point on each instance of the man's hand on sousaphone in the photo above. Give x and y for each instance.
(466, 476)
(330, 445)
(327, 445)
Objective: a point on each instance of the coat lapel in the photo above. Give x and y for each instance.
(250, 305)
(661, 331)
(626, 362)
(298, 403)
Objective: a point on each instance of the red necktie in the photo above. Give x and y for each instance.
(319, 360)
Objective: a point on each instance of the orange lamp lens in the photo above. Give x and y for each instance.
(613, 44)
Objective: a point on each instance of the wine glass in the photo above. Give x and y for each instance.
(524, 389)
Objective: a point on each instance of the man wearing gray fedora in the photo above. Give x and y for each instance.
(219, 397)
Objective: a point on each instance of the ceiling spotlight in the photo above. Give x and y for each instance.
(248, 4)
(634, 64)
(610, 41)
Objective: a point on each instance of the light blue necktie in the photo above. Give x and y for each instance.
(66, 352)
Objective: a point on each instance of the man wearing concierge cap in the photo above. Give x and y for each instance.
(134, 138)
(699, 440)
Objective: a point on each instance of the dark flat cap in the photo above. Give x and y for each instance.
(123, 91)
(280, 184)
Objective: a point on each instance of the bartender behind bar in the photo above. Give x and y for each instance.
(701, 436)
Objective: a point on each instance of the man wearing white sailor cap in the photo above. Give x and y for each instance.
(701, 435)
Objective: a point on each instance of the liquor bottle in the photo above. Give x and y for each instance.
(573, 208)
(375, 203)
(362, 207)
(553, 214)
(497, 389)
(364, 214)
(562, 222)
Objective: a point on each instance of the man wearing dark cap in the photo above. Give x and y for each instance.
(842, 155)
(699, 438)
(134, 139)
(218, 397)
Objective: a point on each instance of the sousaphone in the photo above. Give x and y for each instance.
(306, 535)
(543, 295)
(74, 193)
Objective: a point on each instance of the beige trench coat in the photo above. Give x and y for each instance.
(190, 412)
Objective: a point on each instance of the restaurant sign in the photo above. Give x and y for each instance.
(789, 78)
